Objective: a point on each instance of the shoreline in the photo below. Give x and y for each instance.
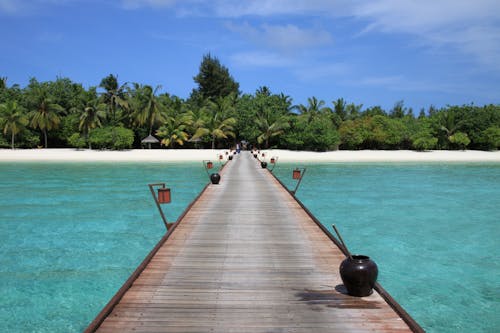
(185, 155)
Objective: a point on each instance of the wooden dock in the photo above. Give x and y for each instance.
(246, 257)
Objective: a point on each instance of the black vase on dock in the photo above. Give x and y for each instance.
(230, 157)
(255, 155)
(215, 178)
(359, 274)
(263, 165)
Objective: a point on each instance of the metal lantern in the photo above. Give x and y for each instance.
(273, 160)
(164, 195)
(210, 165)
(296, 174)
(221, 157)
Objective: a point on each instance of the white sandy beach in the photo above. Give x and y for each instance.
(177, 155)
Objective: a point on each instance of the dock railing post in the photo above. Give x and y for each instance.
(207, 164)
(298, 174)
(155, 197)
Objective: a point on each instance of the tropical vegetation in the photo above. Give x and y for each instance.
(118, 115)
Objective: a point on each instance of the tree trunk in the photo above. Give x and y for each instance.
(213, 142)
(45, 136)
(12, 140)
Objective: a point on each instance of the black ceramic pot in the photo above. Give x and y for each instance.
(230, 157)
(263, 165)
(359, 275)
(255, 155)
(215, 178)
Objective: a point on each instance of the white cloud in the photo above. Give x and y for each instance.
(405, 84)
(469, 27)
(286, 39)
(266, 8)
(260, 59)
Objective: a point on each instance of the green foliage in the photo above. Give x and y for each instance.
(353, 133)
(384, 132)
(422, 143)
(115, 98)
(423, 138)
(77, 141)
(215, 115)
(116, 138)
(12, 119)
(4, 143)
(217, 122)
(147, 108)
(490, 138)
(320, 135)
(214, 80)
(460, 139)
(45, 115)
(174, 132)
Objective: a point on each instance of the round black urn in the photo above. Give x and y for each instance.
(263, 165)
(255, 155)
(359, 275)
(230, 157)
(215, 178)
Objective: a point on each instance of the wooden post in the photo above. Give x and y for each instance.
(151, 188)
(298, 173)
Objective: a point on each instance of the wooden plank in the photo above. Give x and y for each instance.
(247, 257)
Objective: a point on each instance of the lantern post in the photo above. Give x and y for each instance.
(164, 196)
(298, 174)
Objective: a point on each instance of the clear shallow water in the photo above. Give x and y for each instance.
(433, 229)
(71, 234)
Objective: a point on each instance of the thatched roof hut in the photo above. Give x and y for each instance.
(149, 140)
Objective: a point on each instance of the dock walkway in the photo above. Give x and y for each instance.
(246, 257)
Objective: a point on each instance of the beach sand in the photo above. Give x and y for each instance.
(177, 155)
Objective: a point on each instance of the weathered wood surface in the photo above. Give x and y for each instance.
(247, 258)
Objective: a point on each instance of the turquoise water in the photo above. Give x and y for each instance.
(71, 234)
(433, 229)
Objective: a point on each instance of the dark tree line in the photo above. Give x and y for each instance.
(116, 115)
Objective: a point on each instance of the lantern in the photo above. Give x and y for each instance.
(273, 160)
(164, 195)
(296, 174)
(221, 157)
(210, 165)
(263, 155)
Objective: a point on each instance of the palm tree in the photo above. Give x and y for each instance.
(218, 123)
(269, 130)
(45, 114)
(13, 119)
(148, 108)
(175, 130)
(3, 82)
(114, 96)
(313, 108)
(93, 114)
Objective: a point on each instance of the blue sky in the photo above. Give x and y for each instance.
(373, 52)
